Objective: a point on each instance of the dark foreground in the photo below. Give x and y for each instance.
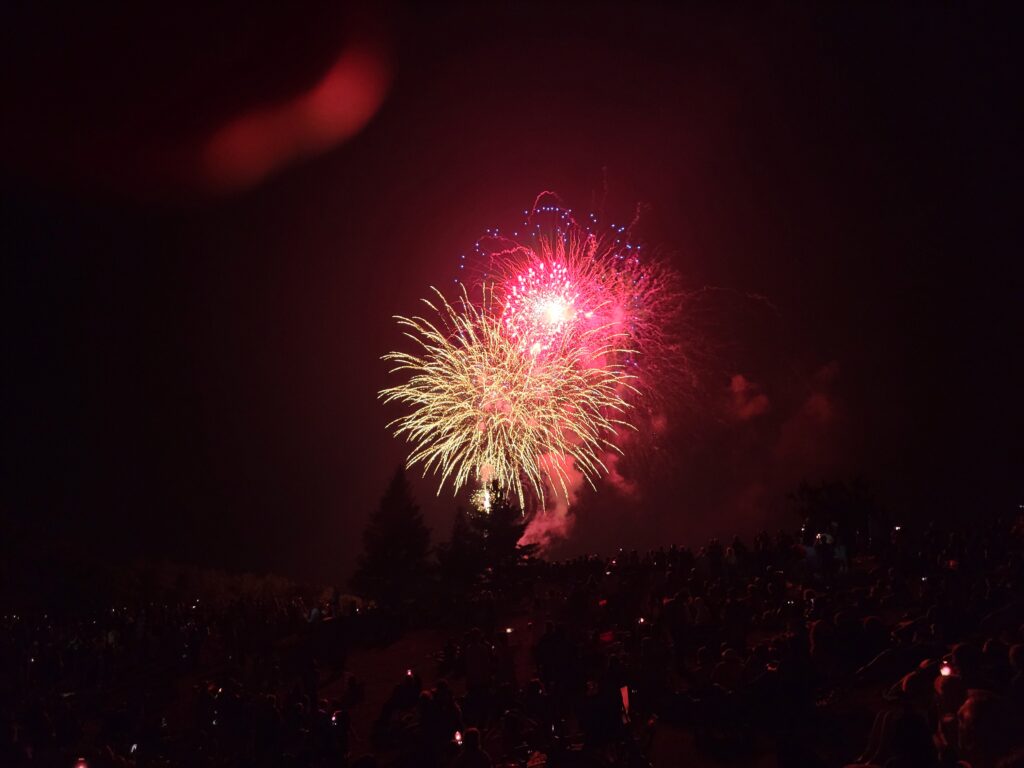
(901, 652)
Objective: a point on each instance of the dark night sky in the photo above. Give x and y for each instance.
(191, 369)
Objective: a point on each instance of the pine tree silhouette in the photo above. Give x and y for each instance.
(483, 541)
(501, 531)
(393, 566)
(461, 559)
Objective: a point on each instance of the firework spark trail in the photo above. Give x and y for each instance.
(540, 306)
(576, 282)
(530, 386)
(484, 410)
(481, 500)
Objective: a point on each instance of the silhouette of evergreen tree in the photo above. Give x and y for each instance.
(484, 540)
(501, 531)
(461, 559)
(393, 567)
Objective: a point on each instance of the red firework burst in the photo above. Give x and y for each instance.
(563, 285)
(540, 306)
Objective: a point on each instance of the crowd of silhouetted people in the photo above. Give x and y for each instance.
(806, 650)
(178, 683)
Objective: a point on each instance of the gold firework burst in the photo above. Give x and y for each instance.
(483, 410)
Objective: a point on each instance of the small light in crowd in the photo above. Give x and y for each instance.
(945, 670)
(458, 737)
(897, 527)
(408, 673)
(81, 763)
(641, 619)
(134, 749)
(508, 630)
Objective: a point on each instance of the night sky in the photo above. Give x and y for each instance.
(191, 349)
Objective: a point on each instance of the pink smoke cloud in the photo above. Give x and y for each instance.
(548, 525)
(551, 525)
(616, 479)
(804, 442)
(748, 401)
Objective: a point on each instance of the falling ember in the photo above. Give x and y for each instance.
(481, 500)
